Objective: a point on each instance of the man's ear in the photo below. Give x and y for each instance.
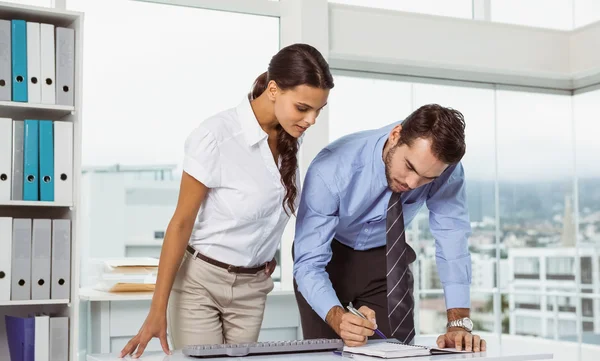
(272, 90)
(395, 133)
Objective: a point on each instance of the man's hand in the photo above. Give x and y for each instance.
(351, 328)
(270, 267)
(461, 339)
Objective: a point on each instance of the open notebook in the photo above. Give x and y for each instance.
(395, 349)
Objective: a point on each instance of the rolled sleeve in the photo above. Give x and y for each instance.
(451, 229)
(201, 157)
(315, 228)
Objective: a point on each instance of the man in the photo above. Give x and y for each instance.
(359, 193)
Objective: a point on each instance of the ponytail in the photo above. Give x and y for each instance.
(259, 86)
(287, 146)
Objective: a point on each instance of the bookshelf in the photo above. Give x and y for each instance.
(34, 204)
(39, 111)
(34, 302)
(51, 210)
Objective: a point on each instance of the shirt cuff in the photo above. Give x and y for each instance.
(326, 302)
(457, 296)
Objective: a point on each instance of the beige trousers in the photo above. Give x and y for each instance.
(209, 305)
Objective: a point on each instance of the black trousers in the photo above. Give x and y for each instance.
(358, 277)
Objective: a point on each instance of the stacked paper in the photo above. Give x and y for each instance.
(128, 275)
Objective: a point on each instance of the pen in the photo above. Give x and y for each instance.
(344, 355)
(354, 311)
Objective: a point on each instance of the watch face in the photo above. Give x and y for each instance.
(468, 323)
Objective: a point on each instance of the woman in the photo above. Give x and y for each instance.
(238, 190)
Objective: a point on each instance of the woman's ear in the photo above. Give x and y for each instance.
(272, 89)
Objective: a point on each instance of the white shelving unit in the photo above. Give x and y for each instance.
(34, 204)
(34, 302)
(15, 110)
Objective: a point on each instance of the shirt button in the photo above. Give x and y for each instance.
(366, 230)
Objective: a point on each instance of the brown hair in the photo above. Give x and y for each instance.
(293, 65)
(445, 127)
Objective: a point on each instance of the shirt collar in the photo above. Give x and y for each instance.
(301, 139)
(380, 179)
(252, 130)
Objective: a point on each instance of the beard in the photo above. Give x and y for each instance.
(393, 185)
(388, 166)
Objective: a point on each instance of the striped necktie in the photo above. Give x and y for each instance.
(399, 255)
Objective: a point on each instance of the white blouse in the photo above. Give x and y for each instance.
(241, 220)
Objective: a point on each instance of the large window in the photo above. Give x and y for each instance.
(555, 14)
(148, 82)
(524, 257)
(587, 149)
(358, 103)
(535, 180)
(45, 3)
(535, 169)
(586, 12)
(146, 86)
(454, 8)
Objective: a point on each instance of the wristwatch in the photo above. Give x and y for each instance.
(464, 323)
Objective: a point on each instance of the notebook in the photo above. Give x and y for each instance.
(395, 349)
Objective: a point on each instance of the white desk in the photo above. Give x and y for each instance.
(493, 354)
(113, 318)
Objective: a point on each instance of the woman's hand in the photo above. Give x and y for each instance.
(154, 326)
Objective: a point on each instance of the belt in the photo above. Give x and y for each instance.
(228, 267)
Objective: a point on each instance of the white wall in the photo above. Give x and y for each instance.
(585, 55)
(460, 49)
(427, 45)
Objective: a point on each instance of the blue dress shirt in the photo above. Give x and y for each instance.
(345, 196)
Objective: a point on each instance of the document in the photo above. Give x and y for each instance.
(5, 158)
(42, 337)
(20, 332)
(5, 257)
(61, 259)
(34, 86)
(63, 162)
(21, 260)
(18, 139)
(46, 160)
(41, 241)
(5, 61)
(47, 58)
(59, 338)
(19, 60)
(65, 65)
(390, 349)
(31, 161)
